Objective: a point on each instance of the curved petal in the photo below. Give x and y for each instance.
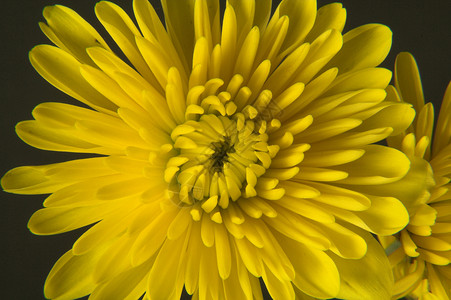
(54, 220)
(316, 273)
(367, 278)
(407, 80)
(70, 276)
(153, 30)
(262, 13)
(386, 215)
(411, 190)
(363, 47)
(330, 16)
(128, 285)
(370, 78)
(70, 32)
(177, 15)
(442, 130)
(123, 31)
(166, 276)
(50, 178)
(345, 242)
(301, 15)
(397, 116)
(378, 165)
(63, 71)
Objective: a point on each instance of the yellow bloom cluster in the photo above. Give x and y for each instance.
(420, 254)
(236, 150)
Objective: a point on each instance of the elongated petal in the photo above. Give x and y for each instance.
(71, 32)
(363, 47)
(378, 165)
(121, 28)
(301, 16)
(162, 282)
(316, 273)
(407, 80)
(128, 285)
(177, 15)
(63, 71)
(330, 16)
(367, 278)
(70, 276)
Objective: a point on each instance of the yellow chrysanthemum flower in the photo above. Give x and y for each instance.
(223, 155)
(423, 248)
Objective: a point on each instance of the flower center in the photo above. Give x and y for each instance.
(218, 160)
(220, 155)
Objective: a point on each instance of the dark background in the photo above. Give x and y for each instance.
(421, 27)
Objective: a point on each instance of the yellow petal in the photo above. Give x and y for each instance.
(367, 278)
(262, 13)
(442, 131)
(63, 71)
(128, 285)
(57, 139)
(110, 265)
(326, 130)
(155, 58)
(340, 197)
(407, 80)
(244, 12)
(71, 31)
(70, 276)
(177, 15)
(370, 78)
(363, 47)
(301, 15)
(396, 116)
(378, 165)
(306, 208)
(223, 254)
(193, 260)
(29, 180)
(123, 189)
(246, 55)
(54, 220)
(322, 50)
(305, 231)
(316, 273)
(108, 87)
(277, 288)
(437, 287)
(425, 215)
(345, 242)
(319, 174)
(209, 280)
(331, 158)
(405, 284)
(206, 21)
(123, 31)
(311, 92)
(152, 29)
(234, 288)
(425, 125)
(165, 279)
(354, 139)
(101, 233)
(330, 16)
(250, 257)
(152, 236)
(385, 216)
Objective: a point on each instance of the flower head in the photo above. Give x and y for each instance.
(423, 249)
(224, 153)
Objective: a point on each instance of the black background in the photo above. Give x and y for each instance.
(421, 27)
